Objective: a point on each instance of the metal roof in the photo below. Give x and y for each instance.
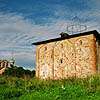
(96, 34)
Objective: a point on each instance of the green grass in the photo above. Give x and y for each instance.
(28, 88)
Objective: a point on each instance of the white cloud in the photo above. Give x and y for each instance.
(17, 34)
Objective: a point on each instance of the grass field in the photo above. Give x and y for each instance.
(28, 88)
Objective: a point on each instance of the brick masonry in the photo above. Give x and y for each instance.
(98, 55)
(73, 57)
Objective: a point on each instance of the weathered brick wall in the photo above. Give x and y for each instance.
(64, 59)
(46, 61)
(98, 55)
(74, 57)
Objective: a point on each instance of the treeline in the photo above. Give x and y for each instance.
(19, 72)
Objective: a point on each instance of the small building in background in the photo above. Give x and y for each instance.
(3, 65)
(12, 63)
(76, 55)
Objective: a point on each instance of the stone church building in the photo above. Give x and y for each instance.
(75, 55)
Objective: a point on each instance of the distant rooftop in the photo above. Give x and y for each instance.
(96, 34)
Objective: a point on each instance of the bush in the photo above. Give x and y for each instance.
(30, 73)
(18, 72)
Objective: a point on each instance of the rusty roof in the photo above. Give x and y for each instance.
(96, 34)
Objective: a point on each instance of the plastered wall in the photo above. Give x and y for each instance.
(74, 57)
(98, 55)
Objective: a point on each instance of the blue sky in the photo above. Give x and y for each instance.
(23, 22)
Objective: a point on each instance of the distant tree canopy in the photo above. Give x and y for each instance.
(19, 72)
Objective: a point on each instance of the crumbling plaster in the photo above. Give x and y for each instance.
(73, 57)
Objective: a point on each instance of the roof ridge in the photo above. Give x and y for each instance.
(97, 35)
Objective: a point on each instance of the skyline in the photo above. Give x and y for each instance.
(24, 22)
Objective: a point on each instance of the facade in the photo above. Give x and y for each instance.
(71, 56)
(3, 65)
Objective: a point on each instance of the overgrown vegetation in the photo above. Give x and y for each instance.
(19, 72)
(30, 88)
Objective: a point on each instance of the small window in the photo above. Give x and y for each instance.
(61, 45)
(51, 56)
(61, 61)
(80, 42)
(45, 48)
